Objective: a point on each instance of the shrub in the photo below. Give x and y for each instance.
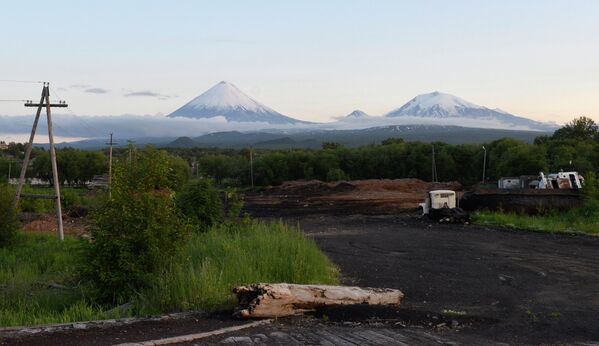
(70, 198)
(9, 218)
(199, 200)
(136, 233)
(590, 193)
(336, 174)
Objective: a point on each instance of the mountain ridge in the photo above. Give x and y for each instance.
(226, 100)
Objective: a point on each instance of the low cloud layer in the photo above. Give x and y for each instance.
(136, 126)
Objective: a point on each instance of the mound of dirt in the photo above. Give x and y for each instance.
(363, 196)
(46, 223)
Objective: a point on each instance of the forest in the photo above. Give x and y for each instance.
(575, 146)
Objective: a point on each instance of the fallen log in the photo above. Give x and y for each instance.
(277, 300)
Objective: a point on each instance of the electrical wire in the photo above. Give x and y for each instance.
(85, 124)
(20, 81)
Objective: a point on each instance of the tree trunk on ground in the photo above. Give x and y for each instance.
(277, 300)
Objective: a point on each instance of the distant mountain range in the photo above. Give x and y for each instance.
(225, 116)
(351, 138)
(436, 108)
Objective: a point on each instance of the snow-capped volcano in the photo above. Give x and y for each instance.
(446, 107)
(357, 114)
(226, 100)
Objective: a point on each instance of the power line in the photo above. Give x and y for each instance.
(20, 81)
(87, 125)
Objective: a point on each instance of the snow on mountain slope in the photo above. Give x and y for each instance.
(439, 105)
(226, 100)
(357, 114)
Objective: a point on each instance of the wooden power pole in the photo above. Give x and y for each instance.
(44, 103)
(110, 143)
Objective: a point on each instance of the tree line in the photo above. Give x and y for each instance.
(575, 146)
(572, 147)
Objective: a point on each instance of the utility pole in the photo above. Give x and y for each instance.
(484, 163)
(44, 103)
(110, 143)
(434, 167)
(130, 144)
(252, 166)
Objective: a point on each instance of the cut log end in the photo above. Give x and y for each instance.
(277, 300)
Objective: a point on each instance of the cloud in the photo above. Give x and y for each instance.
(79, 86)
(97, 91)
(148, 93)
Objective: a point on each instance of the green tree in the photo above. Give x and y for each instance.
(9, 218)
(199, 200)
(139, 231)
(581, 128)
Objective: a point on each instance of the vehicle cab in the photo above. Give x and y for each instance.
(438, 199)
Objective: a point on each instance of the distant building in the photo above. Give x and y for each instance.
(3, 145)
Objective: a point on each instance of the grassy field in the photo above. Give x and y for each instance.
(29, 269)
(566, 222)
(34, 271)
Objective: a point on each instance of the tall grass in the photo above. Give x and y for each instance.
(216, 261)
(572, 221)
(28, 268)
(234, 254)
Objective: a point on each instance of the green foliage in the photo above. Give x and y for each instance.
(395, 158)
(74, 166)
(331, 145)
(392, 140)
(70, 198)
(27, 267)
(336, 174)
(590, 209)
(138, 232)
(581, 128)
(9, 218)
(233, 203)
(215, 261)
(565, 222)
(199, 200)
(232, 255)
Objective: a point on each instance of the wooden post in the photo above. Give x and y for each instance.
(44, 102)
(54, 167)
(28, 150)
(252, 166)
(110, 168)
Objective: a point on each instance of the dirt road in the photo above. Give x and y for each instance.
(526, 287)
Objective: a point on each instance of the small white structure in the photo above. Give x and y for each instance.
(441, 205)
(438, 199)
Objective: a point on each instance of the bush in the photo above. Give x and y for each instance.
(9, 218)
(199, 200)
(70, 198)
(590, 193)
(138, 232)
(336, 174)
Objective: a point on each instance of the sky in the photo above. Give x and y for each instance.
(312, 60)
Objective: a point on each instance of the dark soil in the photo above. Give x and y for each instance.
(137, 331)
(522, 287)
